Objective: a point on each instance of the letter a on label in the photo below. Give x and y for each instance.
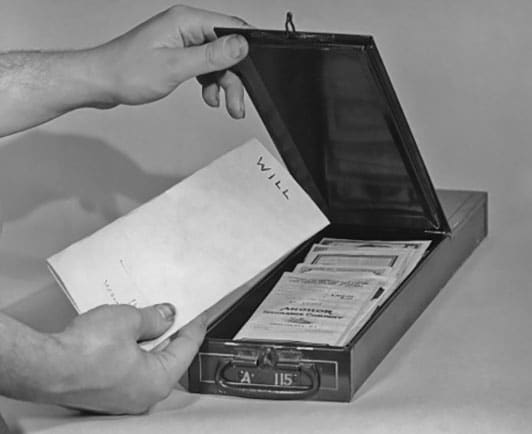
(246, 378)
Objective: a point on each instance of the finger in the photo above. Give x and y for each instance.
(196, 26)
(155, 320)
(211, 94)
(214, 56)
(178, 355)
(234, 94)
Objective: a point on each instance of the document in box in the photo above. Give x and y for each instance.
(197, 242)
(305, 308)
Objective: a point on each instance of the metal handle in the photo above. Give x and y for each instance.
(267, 391)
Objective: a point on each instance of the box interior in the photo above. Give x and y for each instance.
(226, 327)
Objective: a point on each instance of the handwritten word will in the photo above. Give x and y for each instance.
(273, 177)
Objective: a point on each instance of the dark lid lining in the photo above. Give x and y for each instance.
(331, 111)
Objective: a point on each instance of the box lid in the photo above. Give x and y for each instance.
(330, 108)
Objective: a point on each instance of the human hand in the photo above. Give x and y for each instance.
(105, 370)
(151, 60)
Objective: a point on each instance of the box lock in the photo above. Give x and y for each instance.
(267, 373)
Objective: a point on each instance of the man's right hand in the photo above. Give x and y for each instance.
(151, 60)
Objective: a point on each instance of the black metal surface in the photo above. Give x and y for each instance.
(268, 376)
(342, 370)
(330, 108)
(383, 331)
(329, 369)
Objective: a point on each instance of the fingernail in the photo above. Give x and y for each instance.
(235, 46)
(167, 311)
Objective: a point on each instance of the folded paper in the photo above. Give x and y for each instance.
(197, 242)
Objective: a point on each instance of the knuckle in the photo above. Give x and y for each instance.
(179, 9)
(150, 317)
(126, 315)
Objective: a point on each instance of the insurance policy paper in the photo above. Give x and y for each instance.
(195, 243)
(310, 308)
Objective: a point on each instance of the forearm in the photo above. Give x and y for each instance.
(30, 365)
(38, 86)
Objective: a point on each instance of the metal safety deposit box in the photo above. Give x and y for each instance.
(329, 106)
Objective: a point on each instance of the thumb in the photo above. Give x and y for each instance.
(155, 320)
(217, 55)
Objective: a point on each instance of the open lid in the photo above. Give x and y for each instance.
(328, 104)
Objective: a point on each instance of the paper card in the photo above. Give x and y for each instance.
(332, 269)
(374, 257)
(307, 308)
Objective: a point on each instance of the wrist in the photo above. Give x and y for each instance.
(92, 79)
(33, 365)
(54, 370)
(38, 86)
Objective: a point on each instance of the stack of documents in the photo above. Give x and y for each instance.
(329, 297)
